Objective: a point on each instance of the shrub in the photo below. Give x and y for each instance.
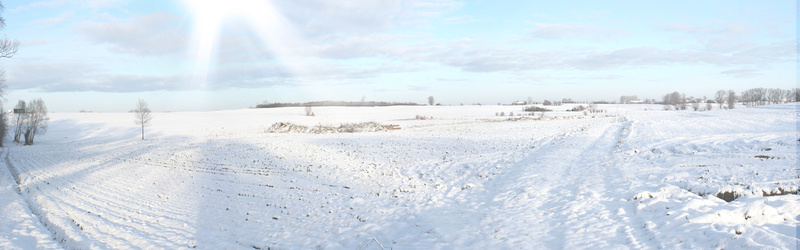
(578, 108)
(594, 109)
(535, 109)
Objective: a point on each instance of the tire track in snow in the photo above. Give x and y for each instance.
(597, 176)
(555, 197)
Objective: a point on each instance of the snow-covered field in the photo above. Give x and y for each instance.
(635, 177)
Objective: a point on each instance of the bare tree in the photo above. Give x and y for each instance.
(7, 50)
(720, 97)
(627, 99)
(430, 100)
(675, 100)
(760, 95)
(142, 115)
(309, 112)
(682, 101)
(7, 47)
(35, 120)
(3, 115)
(4, 126)
(788, 95)
(709, 106)
(19, 122)
(775, 95)
(731, 99)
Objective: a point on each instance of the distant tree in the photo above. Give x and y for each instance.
(673, 99)
(19, 122)
(35, 120)
(789, 95)
(682, 102)
(732, 98)
(695, 106)
(547, 103)
(756, 97)
(627, 99)
(720, 97)
(430, 100)
(775, 95)
(142, 115)
(759, 96)
(794, 95)
(309, 112)
(709, 106)
(748, 97)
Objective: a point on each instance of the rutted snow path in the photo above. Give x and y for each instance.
(558, 196)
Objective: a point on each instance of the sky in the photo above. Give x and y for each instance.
(103, 56)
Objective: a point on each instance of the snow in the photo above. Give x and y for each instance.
(634, 177)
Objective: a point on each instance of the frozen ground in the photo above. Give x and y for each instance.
(635, 177)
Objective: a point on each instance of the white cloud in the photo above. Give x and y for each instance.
(339, 33)
(488, 56)
(152, 34)
(322, 18)
(741, 73)
(81, 76)
(48, 4)
(94, 4)
(571, 31)
(63, 17)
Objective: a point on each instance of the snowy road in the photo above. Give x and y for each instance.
(643, 180)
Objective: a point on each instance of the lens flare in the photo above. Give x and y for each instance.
(269, 25)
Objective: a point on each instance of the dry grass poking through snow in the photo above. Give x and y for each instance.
(288, 127)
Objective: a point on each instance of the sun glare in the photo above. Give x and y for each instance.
(267, 23)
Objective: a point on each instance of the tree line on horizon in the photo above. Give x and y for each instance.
(728, 98)
(336, 104)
